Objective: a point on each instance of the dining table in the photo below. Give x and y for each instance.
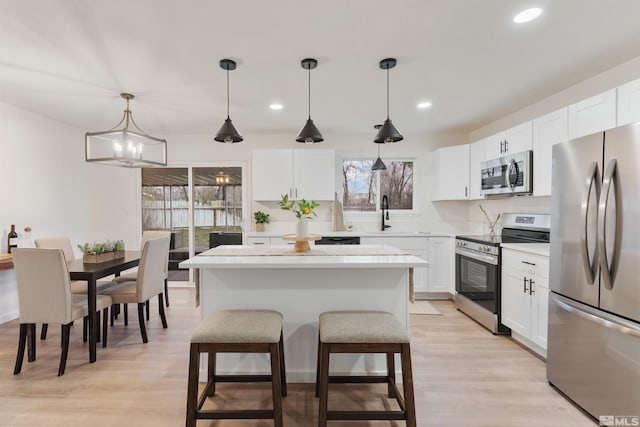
(91, 273)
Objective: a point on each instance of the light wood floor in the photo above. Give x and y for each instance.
(463, 376)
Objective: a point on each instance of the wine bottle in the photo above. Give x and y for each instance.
(12, 240)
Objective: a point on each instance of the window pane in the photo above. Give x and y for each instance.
(396, 182)
(217, 203)
(359, 183)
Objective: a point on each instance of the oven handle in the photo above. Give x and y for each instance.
(489, 259)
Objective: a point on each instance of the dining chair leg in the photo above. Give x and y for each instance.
(166, 292)
(85, 328)
(22, 342)
(98, 327)
(125, 308)
(143, 329)
(31, 342)
(147, 309)
(65, 330)
(161, 310)
(43, 332)
(105, 317)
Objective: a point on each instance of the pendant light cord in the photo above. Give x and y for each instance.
(387, 93)
(309, 107)
(227, 93)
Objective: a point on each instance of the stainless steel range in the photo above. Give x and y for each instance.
(478, 267)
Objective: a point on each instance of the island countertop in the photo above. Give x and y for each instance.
(339, 256)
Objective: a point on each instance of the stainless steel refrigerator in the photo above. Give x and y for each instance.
(593, 354)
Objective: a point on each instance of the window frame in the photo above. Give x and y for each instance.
(409, 212)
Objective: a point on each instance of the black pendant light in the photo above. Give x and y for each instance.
(379, 164)
(227, 132)
(388, 132)
(309, 133)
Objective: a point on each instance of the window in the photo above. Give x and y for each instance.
(363, 187)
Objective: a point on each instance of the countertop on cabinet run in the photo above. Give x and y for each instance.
(357, 234)
(533, 248)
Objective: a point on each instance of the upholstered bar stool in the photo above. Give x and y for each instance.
(365, 332)
(236, 331)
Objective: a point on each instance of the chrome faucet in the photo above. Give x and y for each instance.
(385, 212)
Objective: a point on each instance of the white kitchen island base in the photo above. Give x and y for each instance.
(302, 287)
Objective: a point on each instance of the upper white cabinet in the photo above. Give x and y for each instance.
(593, 114)
(629, 103)
(548, 130)
(300, 173)
(513, 140)
(476, 155)
(450, 168)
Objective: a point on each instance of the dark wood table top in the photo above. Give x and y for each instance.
(79, 270)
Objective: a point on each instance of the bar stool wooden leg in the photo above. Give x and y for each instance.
(276, 385)
(391, 374)
(407, 385)
(324, 385)
(283, 373)
(192, 385)
(211, 375)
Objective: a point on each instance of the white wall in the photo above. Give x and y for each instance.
(48, 186)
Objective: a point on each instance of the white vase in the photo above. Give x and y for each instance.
(302, 228)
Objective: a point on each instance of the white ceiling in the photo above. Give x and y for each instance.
(70, 59)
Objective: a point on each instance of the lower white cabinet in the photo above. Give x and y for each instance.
(440, 259)
(525, 297)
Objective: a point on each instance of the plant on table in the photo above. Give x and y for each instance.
(102, 248)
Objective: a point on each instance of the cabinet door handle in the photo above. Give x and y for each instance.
(525, 285)
(466, 191)
(531, 283)
(528, 263)
(258, 243)
(501, 144)
(506, 146)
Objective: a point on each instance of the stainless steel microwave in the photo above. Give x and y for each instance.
(510, 174)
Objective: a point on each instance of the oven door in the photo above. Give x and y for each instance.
(478, 278)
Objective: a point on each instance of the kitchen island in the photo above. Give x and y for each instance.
(301, 286)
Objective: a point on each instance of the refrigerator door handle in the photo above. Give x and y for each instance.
(590, 265)
(620, 325)
(609, 176)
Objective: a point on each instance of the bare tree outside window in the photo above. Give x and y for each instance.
(359, 185)
(396, 182)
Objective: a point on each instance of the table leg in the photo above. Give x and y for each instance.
(93, 333)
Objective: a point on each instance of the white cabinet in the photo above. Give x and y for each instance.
(525, 297)
(417, 246)
(440, 259)
(629, 103)
(476, 156)
(258, 241)
(593, 114)
(450, 168)
(300, 173)
(548, 130)
(513, 140)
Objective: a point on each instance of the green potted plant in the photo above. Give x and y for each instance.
(101, 252)
(261, 219)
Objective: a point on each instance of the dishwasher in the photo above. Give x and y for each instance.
(338, 240)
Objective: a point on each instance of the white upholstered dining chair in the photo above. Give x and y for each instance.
(147, 283)
(146, 236)
(44, 296)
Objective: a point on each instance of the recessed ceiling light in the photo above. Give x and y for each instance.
(276, 106)
(424, 105)
(527, 15)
